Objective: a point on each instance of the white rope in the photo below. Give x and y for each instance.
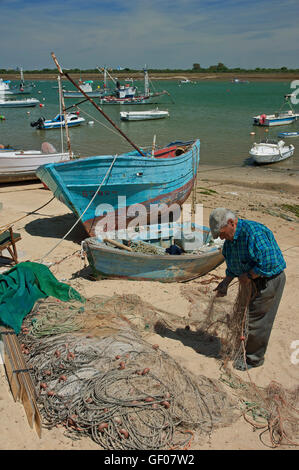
(77, 221)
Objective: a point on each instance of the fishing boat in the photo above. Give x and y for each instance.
(127, 94)
(86, 86)
(143, 115)
(147, 255)
(107, 190)
(20, 165)
(279, 118)
(58, 122)
(22, 88)
(283, 135)
(27, 103)
(271, 151)
(122, 183)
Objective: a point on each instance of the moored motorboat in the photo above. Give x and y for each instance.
(279, 118)
(58, 122)
(143, 115)
(27, 103)
(271, 151)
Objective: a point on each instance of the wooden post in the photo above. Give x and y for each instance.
(61, 98)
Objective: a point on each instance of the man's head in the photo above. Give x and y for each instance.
(223, 223)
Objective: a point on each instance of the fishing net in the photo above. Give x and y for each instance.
(273, 409)
(96, 374)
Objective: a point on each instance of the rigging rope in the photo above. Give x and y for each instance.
(87, 207)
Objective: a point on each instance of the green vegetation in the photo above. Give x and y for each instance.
(196, 68)
(294, 208)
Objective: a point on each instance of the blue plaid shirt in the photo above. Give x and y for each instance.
(253, 248)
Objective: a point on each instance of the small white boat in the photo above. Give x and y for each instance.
(271, 151)
(58, 122)
(20, 165)
(87, 88)
(279, 118)
(27, 103)
(143, 115)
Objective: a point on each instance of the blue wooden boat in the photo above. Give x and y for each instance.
(86, 184)
(113, 259)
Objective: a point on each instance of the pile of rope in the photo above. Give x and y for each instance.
(109, 383)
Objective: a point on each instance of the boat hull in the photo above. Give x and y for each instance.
(143, 116)
(114, 263)
(21, 166)
(122, 183)
(274, 121)
(275, 157)
(29, 103)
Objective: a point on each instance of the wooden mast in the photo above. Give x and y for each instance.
(93, 103)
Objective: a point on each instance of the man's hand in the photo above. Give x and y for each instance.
(222, 287)
(244, 279)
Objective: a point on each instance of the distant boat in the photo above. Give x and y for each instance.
(113, 259)
(127, 94)
(279, 118)
(27, 103)
(238, 80)
(165, 177)
(271, 151)
(58, 122)
(143, 115)
(288, 134)
(20, 165)
(22, 88)
(86, 86)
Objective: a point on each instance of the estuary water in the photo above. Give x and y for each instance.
(219, 113)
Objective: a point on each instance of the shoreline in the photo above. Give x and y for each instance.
(161, 76)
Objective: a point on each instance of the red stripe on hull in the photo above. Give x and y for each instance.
(178, 196)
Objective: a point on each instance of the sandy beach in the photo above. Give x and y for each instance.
(260, 194)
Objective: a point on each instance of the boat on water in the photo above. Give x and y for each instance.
(127, 94)
(284, 135)
(58, 121)
(22, 88)
(239, 80)
(20, 165)
(143, 115)
(147, 254)
(27, 103)
(107, 189)
(271, 151)
(86, 86)
(279, 118)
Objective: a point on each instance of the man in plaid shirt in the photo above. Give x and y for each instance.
(253, 255)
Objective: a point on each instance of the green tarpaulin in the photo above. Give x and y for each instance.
(23, 285)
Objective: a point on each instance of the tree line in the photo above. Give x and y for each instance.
(196, 68)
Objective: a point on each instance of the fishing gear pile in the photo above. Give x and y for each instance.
(96, 375)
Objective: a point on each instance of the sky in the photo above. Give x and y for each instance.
(161, 34)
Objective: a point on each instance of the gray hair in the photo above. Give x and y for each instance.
(219, 218)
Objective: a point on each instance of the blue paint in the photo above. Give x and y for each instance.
(141, 180)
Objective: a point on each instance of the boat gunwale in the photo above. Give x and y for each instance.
(189, 256)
